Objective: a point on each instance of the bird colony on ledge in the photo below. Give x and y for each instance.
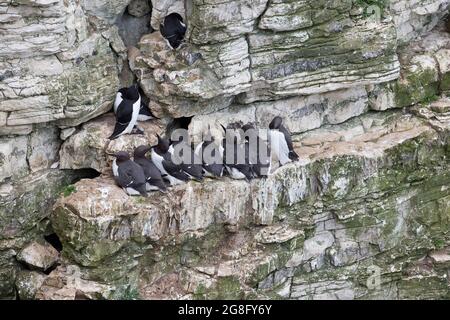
(241, 154)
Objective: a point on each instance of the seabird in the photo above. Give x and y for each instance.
(260, 166)
(193, 167)
(237, 169)
(144, 112)
(163, 161)
(128, 174)
(211, 155)
(281, 142)
(152, 174)
(127, 112)
(173, 30)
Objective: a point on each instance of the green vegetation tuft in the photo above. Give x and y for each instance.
(68, 190)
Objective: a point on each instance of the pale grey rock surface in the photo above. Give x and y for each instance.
(40, 255)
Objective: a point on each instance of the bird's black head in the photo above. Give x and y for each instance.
(246, 129)
(174, 16)
(163, 145)
(276, 123)
(122, 156)
(140, 151)
(131, 93)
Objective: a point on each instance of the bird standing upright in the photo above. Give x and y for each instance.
(127, 111)
(162, 159)
(154, 180)
(128, 174)
(281, 142)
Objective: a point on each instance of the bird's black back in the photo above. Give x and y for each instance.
(173, 30)
(124, 115)
(131, 175)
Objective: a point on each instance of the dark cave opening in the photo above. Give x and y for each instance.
(54, 240)
(133, 27)
(178, 123)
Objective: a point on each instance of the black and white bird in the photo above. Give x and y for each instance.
(173, 30)
(237, 162)
(127, 112)
(154, 180)
(211, 156)
(145, 113)
(191, 164)
(281, 142)
(128, 174)
(258, 151)
(163, 161)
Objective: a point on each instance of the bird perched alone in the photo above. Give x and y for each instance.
(154, 180)
(163, 161)
(127, 112)
(128, 174)
(144, 112)
(281, 142)
(173, 30)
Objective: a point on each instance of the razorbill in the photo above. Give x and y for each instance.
(128, 174)
(281, 142)
(152, 174)
(127, 112)
(259, 164)
(144, 112)
(192, 166)
(237, 164)
(173, 30)
(163, 161)
(211, 156)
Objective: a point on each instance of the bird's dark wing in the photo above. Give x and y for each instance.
(124, 179)
(124, 112)
(145, 111)
(174, 170)
(118, 130)
(123, 118)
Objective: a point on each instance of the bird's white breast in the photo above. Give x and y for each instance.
(134, 116)
(117, 101)
(157, 160)
(278, 145)
(115, 168)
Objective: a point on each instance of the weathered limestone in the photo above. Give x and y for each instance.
(349, 188)
(300, 114)
(370, 191)
(235, 57)
(139, 8)
(40, 255)
(88, 147)
(161, 8)
(413, 18)
(424, 74)
(24, 205)
(68, 74)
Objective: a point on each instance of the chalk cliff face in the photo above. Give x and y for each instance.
(362, 84)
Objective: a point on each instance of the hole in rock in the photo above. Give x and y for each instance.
(132, 27)
(53, 239)
(178, 123)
